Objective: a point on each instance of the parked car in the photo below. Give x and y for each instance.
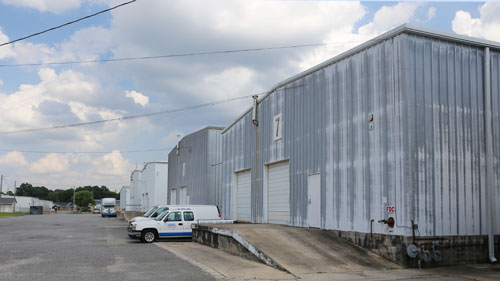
(175, 222)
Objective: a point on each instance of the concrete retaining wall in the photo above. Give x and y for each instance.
(128, 215)
(452, 250)
(455, 250)
(204, 235)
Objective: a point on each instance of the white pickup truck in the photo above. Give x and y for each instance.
(175, 222)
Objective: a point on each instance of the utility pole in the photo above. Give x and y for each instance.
(15, 186)
(1, 183)
(73, 198)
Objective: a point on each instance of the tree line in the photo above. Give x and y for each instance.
(63, 195)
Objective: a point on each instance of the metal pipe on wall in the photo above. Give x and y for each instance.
(255, 121)
(490, 180)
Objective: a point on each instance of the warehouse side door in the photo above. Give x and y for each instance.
(314, 200)
(278, 193)
(242, 196)
(173, 194)
(183, 197)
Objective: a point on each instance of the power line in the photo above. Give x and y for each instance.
(142, 115)
(128, 117)
(68, 23)
(85, 152)
(177, 55)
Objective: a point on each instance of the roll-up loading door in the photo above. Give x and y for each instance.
(243, 195)
(279, 193)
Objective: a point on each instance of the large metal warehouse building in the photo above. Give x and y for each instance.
(194, 171)
(393, 131)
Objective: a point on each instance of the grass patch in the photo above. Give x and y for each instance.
(8, 215)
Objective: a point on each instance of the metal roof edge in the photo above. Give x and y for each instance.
(448, 36)
(404, 28)
(203, 129)
(152, 162)
(195, 132)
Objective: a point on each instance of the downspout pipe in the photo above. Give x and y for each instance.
(490, 177)
(255, 121)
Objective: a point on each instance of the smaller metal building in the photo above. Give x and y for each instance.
(154, 177)
(136, 191)
(148, 187)
(23, 203)
(194, 171)
(7, 205)
(125, 202)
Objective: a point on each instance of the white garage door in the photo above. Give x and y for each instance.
(279, 193)
(243, 195)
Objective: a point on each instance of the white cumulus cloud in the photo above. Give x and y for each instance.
(13, 158)
(51, 163)
(431, 13)
(54, 6)
(342, 39)
(5, 51)
(137, 97)
(486, 26)
(112, 164)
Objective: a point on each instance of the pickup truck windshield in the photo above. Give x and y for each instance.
(148, 213)
(159, 212)
(161, 216)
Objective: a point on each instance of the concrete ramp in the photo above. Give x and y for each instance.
(293, 249)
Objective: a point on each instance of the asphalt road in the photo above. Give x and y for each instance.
(83, 247)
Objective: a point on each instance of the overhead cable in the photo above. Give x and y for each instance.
(176, 55)
(127, 117)
(84, 152)
(68, 23)
(141, 115)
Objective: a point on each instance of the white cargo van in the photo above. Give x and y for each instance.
(175, 222)
(151, 214)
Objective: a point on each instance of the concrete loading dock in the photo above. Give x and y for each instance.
(292, 249)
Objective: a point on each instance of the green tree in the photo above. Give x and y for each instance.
(84, 198)
(10, 193)
(99, 192)
(27, 189)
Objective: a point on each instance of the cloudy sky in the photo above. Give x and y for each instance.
(52, 95)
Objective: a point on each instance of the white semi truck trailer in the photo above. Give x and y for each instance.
(108, 207)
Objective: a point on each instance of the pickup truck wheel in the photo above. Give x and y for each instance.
(148, 236)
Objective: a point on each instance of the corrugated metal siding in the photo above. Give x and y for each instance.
(200, 152)
(424, 154)
(238, 154)
(445, 91)
(495, 92)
